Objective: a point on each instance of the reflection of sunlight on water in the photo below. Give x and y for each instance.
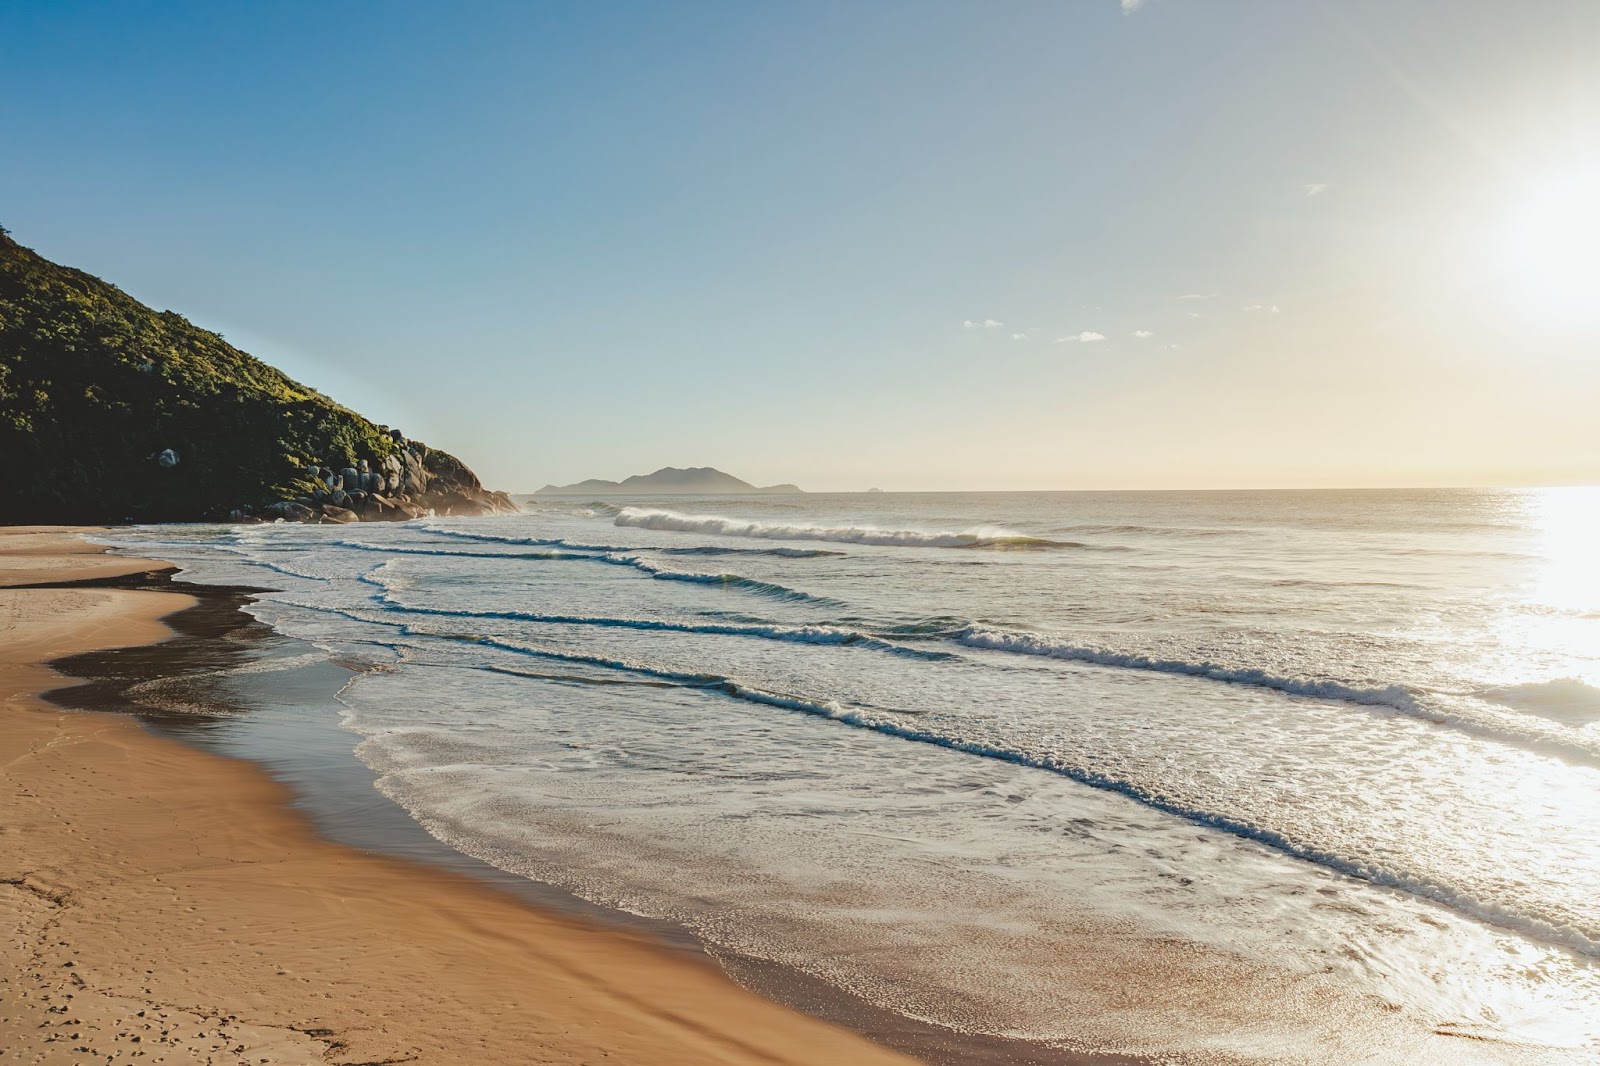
(1567, 522)
(1545, 653)
(1551, 631)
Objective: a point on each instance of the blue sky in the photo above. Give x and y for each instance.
(590, 239)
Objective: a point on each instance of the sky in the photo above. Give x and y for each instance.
(915, 245)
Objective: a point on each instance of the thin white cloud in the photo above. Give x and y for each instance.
(1315, 188)
(1198, 296)
(1086, 337)
(1143, 334)
(1019, 336)
(1265, 309)
(1130, 6)
(986, 323)
(1172, 347)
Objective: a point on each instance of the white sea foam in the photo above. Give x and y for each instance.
(809, 634)
(907, 727)
(1553, 699)
(1214, 684)
(719, 526)
(734, 581)
(1395, 697)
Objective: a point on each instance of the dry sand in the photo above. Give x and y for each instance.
(160, 904)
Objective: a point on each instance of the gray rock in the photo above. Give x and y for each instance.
(291, 512)
(338, 514)
(167, 458)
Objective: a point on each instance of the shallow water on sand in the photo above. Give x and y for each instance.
(1215, 776)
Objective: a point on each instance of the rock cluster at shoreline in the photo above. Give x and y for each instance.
(398, 487)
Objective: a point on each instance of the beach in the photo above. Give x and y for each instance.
(1059, 777)
(168, 905)
(1034, 779)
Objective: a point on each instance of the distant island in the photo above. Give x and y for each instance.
(694, 480)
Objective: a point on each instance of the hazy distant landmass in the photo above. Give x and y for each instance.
(694, 480)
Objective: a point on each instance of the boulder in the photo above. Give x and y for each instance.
(390, 509)
(338, 514)
(291, 512)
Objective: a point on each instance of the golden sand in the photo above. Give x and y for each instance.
(161, 904)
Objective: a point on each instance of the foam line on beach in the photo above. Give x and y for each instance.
(254, 557)
(770, 589)
(1395, 697)
(1522, 731)
(657, 571)
(448, 553)
(823, 635)
(904, 726)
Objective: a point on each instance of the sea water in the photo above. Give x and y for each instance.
(1223, 776)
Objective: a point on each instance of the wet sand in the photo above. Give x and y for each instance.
(165, 904)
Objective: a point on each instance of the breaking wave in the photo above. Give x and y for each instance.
(716, 525)
(831, 635)
(905, 725)
(1557, 695)
(450, 554)
(1564, 699)
(490, 538)
(752, 585)
(1395, 697)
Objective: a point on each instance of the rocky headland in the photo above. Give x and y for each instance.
(111, 411)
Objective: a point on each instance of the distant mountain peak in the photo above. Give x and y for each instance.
(692, 480)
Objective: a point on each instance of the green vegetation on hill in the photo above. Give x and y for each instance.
(111, 411)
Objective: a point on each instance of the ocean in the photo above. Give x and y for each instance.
(1299, 776)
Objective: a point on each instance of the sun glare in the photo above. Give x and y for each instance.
(1567, 520)
(1552, 247)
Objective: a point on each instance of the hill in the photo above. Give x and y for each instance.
(694, 480)
(112, 412)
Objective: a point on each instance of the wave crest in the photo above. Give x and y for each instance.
(1563, 699)
(717, 525)
(1395, 697)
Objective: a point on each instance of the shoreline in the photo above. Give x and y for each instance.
(174, 905)
(337, 806)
